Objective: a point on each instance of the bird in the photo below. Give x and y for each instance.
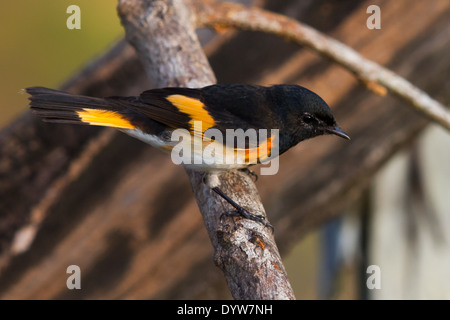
(187, 122)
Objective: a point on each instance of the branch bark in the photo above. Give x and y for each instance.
(163, 35)
(375, 77)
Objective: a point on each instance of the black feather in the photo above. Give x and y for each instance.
(58, 106)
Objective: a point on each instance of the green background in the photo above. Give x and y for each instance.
(37, 48)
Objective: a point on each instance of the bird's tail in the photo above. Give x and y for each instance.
(62, 107)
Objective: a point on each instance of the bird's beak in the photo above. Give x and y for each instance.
(338, 131)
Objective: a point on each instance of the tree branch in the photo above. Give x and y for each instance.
(214, 14)
(164, 37)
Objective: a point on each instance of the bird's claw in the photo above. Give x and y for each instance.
(251, 173)
(248, 215)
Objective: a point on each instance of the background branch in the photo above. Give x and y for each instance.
(221, 15)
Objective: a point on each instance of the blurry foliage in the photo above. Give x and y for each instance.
(38, 49)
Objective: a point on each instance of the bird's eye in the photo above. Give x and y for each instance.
(307, 118)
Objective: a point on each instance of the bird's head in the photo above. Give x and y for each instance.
(305, 114)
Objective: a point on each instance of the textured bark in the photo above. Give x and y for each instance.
(129, 219)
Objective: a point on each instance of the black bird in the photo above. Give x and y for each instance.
(211, 129)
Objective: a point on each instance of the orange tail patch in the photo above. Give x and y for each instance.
(104, 118)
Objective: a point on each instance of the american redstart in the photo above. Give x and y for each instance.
(197, 117)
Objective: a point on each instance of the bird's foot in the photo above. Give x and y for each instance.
(248, 215)
(251, 173)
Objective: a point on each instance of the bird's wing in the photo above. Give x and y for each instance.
(178, 108)
(219, 107)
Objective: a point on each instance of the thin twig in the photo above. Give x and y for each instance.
(214, 14)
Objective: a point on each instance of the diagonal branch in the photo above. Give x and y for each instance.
(163, 35)
(375, 77)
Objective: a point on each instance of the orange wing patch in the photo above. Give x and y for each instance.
(104, 118)
(195, 109)
(260, 153)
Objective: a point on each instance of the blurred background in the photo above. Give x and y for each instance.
(38, 49)
(74, 195)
